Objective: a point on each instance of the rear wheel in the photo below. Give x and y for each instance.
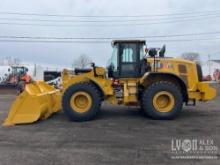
(162, 100)
(81, 102)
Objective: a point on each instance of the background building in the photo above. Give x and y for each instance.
(210, 67)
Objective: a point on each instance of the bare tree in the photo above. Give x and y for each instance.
(17, 61)
(82, 61)
(10, 61)
(192, 57)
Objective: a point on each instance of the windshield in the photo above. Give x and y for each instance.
(18, 70)
(113, 61)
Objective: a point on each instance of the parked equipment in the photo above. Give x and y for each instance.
(158, 84)
(11, 75)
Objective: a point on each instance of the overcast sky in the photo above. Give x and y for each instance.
(65, 53)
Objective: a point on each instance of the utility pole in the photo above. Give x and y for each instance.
(209, 64)
(35, 69)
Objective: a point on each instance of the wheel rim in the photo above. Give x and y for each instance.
(163, 101)
(81, 102)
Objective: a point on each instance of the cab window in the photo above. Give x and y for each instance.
(129, 54)
(113, 61)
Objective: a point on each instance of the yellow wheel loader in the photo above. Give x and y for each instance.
(158, 85)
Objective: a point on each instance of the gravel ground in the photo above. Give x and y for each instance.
(120, 135)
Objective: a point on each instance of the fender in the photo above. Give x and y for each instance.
(104, 85)
(150, 77)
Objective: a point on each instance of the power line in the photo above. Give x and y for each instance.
(187, 40)
(103, 16)
(109, 38)
(47, 41)
(109, 25)
(103, 42)
(108, 21)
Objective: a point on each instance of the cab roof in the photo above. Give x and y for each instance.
(129, 41)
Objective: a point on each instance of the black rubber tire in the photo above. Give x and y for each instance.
(92, 112)
(147, 100)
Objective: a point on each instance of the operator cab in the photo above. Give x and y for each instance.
(18, 70)
(129, 59)
(126, 59)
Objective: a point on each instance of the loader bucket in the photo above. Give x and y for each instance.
(38, 101)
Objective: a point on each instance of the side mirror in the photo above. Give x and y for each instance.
(152, 52)
(93, 64)
(94, 69)
(162, 51)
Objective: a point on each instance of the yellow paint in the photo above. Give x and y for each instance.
(163, 101)
(130, 90)
(81, 102)
(196, 90)
(113, 100)
(101, 80)
(170, 65)
(100, 71)
(38, 101)
(204, 92)
(207, 92)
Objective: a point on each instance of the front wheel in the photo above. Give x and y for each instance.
(81, 102)
(162, 100)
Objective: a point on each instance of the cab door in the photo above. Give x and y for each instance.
(129, 60)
